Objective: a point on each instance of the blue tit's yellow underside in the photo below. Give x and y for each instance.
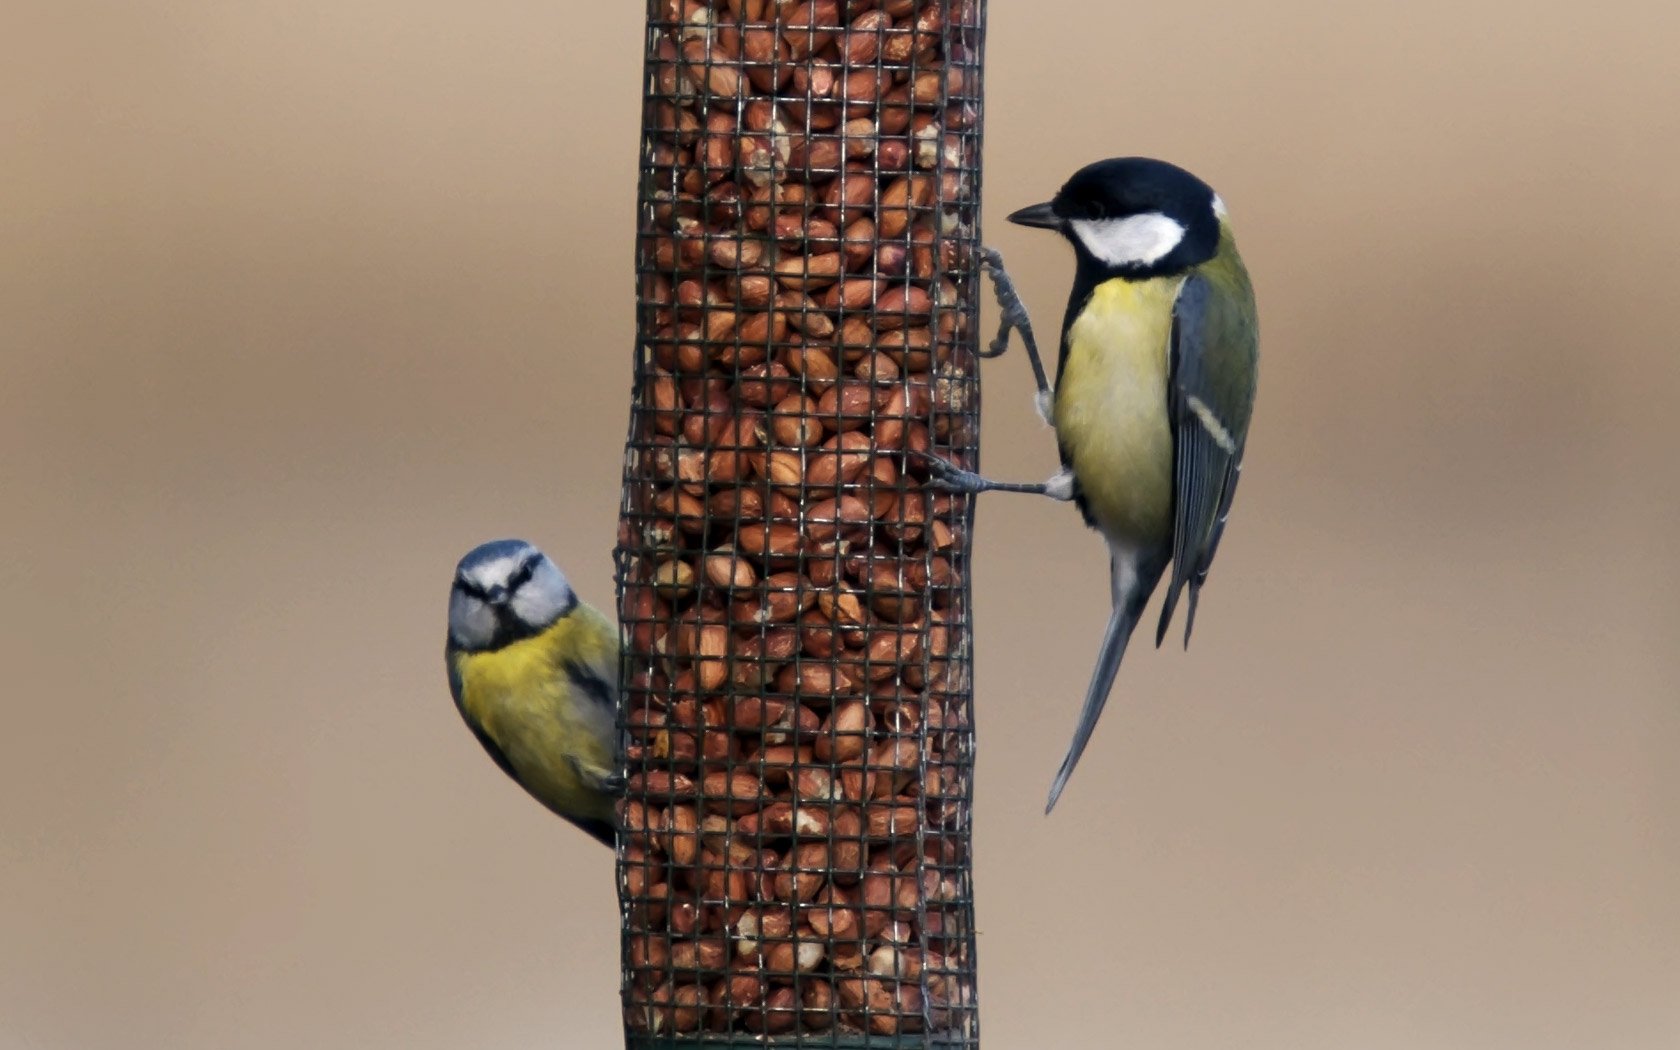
(543, 707)
(1111, 408)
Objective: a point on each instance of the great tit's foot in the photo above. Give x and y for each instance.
(951, 478)
(1013, 318)
(1013, 313)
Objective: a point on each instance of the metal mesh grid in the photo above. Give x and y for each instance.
(794, 842)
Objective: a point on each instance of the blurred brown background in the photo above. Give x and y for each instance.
(300, 300)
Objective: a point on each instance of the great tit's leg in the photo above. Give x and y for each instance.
(1013, 317)
(953, 478)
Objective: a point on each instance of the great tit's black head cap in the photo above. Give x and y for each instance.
(1125, 186)
(1135, 216)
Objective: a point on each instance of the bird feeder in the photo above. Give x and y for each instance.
(794, 842)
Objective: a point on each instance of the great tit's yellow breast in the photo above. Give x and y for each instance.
(522, 697)
(1111, 407)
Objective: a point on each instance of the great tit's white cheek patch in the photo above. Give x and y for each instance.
(1136, 240)
(1219, 211)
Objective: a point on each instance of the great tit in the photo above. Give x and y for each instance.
(534, 672)
(1154, 388)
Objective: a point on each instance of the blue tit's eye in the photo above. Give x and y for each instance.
(522, 575)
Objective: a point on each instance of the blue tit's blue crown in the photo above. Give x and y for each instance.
(495, 550)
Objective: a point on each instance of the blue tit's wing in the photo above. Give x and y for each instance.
(592, 671)
(594, 677)
(593, 688)
(1210, 397)
(590, 681)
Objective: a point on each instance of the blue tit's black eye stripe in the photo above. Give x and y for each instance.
(522, 575)
(471, 589)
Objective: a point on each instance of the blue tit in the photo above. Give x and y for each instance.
(1154, 388)
(534, 672)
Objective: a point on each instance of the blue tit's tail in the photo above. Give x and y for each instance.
(1132, 580)
(601, 831)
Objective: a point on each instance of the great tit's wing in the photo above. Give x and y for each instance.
(1210, 396)
(1200, 575)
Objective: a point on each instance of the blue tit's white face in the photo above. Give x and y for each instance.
(503, 591)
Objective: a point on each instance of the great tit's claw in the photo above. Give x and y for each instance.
(950, 477)
(1012, 315)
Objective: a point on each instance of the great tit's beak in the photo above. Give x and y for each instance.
(1039, 215)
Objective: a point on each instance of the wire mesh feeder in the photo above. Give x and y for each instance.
(794, 851)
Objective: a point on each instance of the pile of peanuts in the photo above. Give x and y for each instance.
(793, 596)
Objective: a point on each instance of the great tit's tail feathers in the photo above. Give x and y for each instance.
(1115, 636)
(1132, 580)
(1190, 610)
